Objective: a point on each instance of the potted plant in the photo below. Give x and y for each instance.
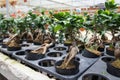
(38, 53)
(112, 23)
(26, 26)
(68, 24)
(91, 48)
(94, 43)
(68, 66)
(12, 44)
(42, 24)
(30, 26)
(6, 26)
(114, 66)
(1, 28)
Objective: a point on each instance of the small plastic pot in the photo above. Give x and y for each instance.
(105, 43)
(13, 48)
(67, 44)
(1, 40)
(29, 41)
(37, 43)
(100, 49)
(71, 71)
(81, 48)
(4, 45)
(25, 45)
(33, 56)
(20, 42)
(113, 70)
(109, 52)
(88, 54)
(93, 76)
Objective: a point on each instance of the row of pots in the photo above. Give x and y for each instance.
(75, 70)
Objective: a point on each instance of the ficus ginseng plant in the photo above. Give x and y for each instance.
(68, 23)
(6, 25)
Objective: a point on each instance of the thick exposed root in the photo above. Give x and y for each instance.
(67, 63)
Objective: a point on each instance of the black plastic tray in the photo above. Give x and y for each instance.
(85, 63)
(5, 51)
(99, 68)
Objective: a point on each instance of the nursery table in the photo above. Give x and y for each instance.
(13, 70)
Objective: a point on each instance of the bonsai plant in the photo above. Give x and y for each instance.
(39, 52)
(69, 24)
(7, 25)
(30, 26)
(112, 23)
(2, 28)
(26, 25)
(94, 43)
(68, 66)
(42, 23)
(12, 44)
(114, 66)
(91, 48)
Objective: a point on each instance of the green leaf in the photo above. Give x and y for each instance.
(57, 28)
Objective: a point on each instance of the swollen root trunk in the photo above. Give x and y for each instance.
(12, 38)
(30, 36)
(39, 38)
(67, 63)
(42, 49)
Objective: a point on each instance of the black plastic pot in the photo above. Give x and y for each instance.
(71, 71)
(100, 49)
(25, 45)
(4, 45)
(33, 56)
(109, 52)
(81, 48)
(107, 59)
(92, 76)
(105, 43)
(29, 41)
(37, 43)
(113, 70)
(47, 63)
(1, 40)
(13, 48)
(20, 42)
(67, 44)
(88, 54)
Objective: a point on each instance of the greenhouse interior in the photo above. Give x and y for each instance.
(59, 39)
